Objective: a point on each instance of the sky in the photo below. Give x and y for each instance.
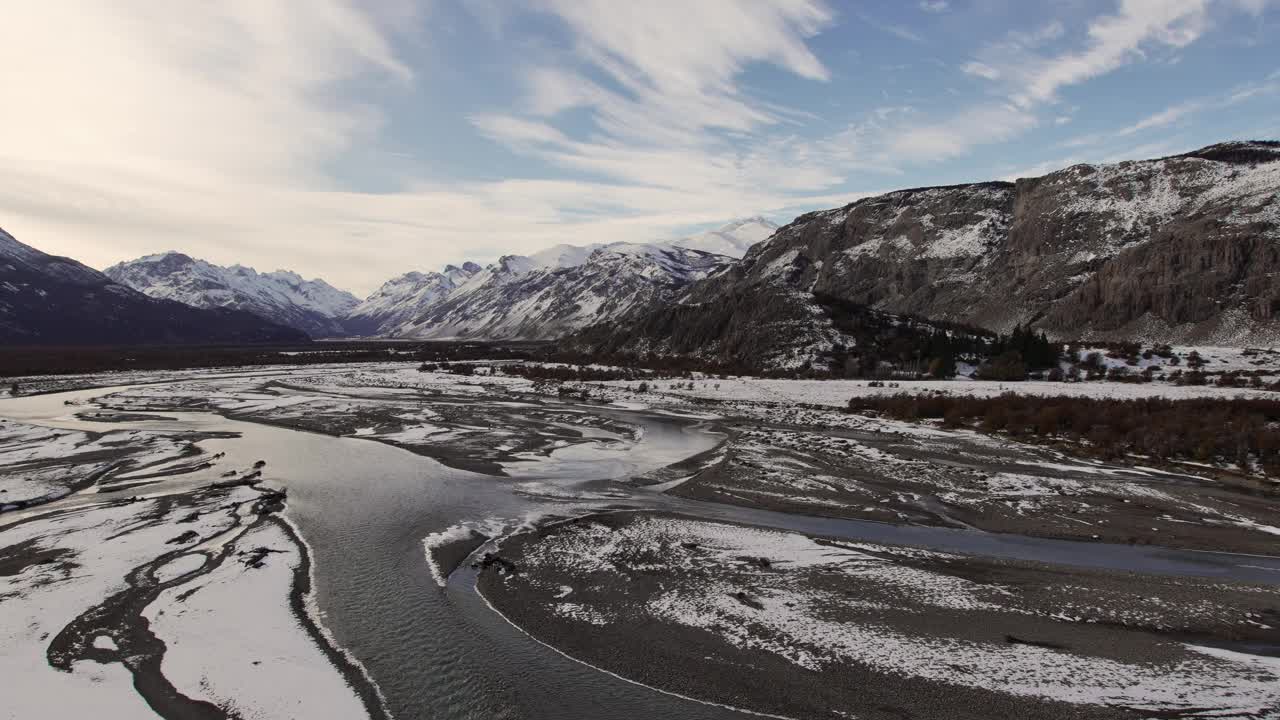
(356, 140)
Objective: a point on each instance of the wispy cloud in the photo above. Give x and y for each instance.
(896, 30)
(1175, 113)
(1033, 76)
(981, 70)
(1032, 68)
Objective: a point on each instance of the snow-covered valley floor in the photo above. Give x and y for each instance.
(805, 627)
(149, 566)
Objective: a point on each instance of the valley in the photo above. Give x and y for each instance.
(428, 543)
(599, 360)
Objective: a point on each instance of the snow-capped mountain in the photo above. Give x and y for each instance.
(312, 306)
(1176, 249)
(400, 300)
(551, 292)
(49, 300)
(558, 292)
(732, 240)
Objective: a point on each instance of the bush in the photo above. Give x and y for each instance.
(1008, 366)
(1245, 431)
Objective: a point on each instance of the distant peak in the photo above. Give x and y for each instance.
(162, 256)
(753, 220)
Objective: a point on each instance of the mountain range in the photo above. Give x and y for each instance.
(312, 306)
(49, 300)
(1184, 248)
(541, 296)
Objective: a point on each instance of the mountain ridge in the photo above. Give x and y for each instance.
(545, 294)
(51, 300)
(312, 306)
(1175, 249)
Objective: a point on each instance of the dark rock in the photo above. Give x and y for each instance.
(256, 557)
(1014, 640)
(184, 538)
(493, 560)
(270, 502)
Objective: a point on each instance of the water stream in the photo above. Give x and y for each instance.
(364, 507)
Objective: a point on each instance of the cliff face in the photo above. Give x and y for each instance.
(1179, 249)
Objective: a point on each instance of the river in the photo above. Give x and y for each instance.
(364, 507)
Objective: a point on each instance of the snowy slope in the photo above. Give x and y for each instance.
(312, 306)
(548, 293)
(54, 300)
(524, 298)
(732, 240)
(404, 298)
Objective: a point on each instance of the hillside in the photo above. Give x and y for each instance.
(1177, 249)
(49, 300)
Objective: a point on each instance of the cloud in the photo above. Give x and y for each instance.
(892, 29)
(216, 127)
(1113, 40)
(1168, 116)
(934, 6)
(982, 70)
(1032, 76)
(1174, 113)
(223, 129)
(956, 135)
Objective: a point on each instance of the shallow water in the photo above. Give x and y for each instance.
(363, 508)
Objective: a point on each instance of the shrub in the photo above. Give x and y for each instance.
(1008, 366)
(1245, 431)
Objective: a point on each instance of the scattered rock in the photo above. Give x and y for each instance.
(184, 538)
(1015, 640)
(747, 600)
(489, 560)
(271, 501)
(256, 557)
